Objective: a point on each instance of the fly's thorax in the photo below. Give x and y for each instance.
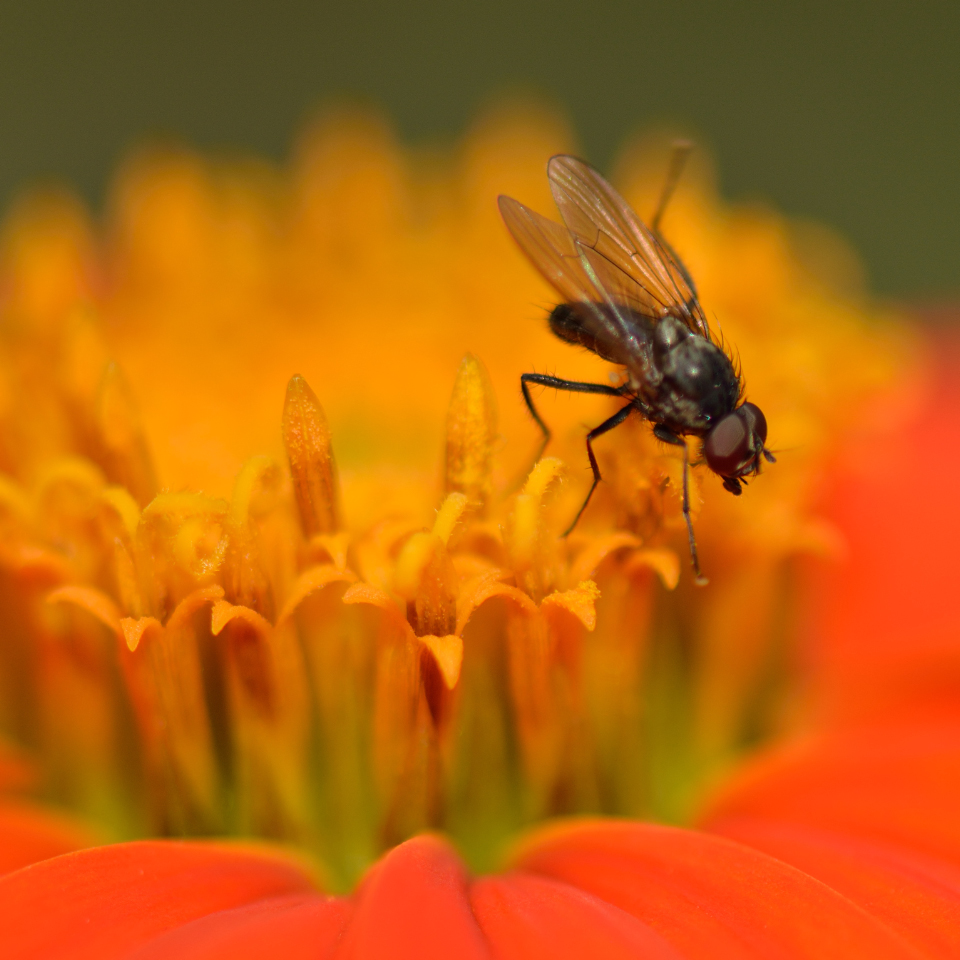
(669, 334)
(699, 384)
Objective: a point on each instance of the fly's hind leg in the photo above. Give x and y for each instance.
(668, 436)
(608, 424)
(573, 386)
(678, 159)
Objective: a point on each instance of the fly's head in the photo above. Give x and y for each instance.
(735, 445)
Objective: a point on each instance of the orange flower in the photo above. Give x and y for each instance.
(209, 625)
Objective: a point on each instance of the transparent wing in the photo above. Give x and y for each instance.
(600, 219)
(579, 275)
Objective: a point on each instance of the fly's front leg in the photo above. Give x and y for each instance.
(525, 380)
(608, 424)
(572, 386)
(668, 436)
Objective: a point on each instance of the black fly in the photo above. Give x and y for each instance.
(627, 297)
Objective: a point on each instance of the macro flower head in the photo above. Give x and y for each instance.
(276, 562)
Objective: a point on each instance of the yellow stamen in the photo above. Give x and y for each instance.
(245, 578)
(424, 575)
(126, 458)
(119, 520)
(306, 437)
(449, 515)
(182, 542)
(471, 433)
(526, 535)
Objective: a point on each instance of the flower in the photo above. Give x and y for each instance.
(212, 625)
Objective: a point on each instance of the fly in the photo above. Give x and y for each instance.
(626, 296)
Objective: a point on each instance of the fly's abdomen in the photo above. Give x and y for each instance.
(583, 324)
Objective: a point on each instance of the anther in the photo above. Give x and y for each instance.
(126, 457)
(306, 437)
(471, 434)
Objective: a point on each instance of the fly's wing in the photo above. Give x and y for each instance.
(602, 221)
(571, 269)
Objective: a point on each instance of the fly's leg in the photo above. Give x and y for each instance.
(668, 436)
(573, 386)
(678, 159)
(608, 424)
(698, 578)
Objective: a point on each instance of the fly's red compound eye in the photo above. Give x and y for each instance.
(755, 420)
(728, 445)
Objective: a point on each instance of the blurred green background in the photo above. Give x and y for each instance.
(846, 112)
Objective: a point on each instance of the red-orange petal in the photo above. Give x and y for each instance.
(915, 894)
(300, 926)
(883, 623)
(525, 917)
(108, 901)
(29, 833)
(592, 889)
(896, 781)
(414, 905)
(710, 897)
